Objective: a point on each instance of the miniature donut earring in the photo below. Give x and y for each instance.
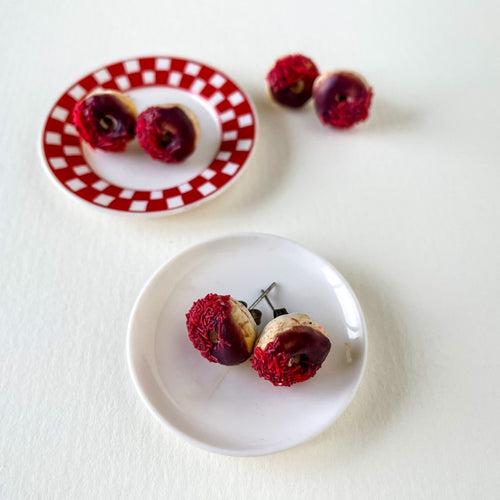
(290, 80)
(106, 120)
(342, 98)
(224, 329)
(168, 133)
(291, 348)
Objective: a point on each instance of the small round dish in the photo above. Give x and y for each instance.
(230, 410)
(131, 182)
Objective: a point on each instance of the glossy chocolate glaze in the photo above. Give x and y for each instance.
(111, 118)
(166, 133)
(304, 343)
(230, 348)
(337, 87)
(292, 96)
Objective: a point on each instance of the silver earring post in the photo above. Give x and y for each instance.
(263, 295)
(276, 312)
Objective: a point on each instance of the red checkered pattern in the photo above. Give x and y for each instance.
(61, 144)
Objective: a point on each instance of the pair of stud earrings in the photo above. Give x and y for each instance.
(108, 120)
(290, 349)
(341, 98)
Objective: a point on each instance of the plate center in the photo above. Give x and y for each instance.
(136, 170)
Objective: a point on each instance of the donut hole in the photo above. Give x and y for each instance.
(108, 123)
(166, 139)
(213, 337)
(297, 87)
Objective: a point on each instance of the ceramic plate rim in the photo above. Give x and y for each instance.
(201, 444)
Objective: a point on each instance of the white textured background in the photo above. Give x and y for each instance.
(407, 206)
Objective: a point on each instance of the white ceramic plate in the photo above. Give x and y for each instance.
(230, 410)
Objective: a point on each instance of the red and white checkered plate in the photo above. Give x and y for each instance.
(131, 182)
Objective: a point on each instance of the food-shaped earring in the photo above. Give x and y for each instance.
(167, 133)
(105, 120)
(224, 329)
(291, 348)
(342, 98)
(291, 80)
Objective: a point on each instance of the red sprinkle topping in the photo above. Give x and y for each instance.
(206, 316)
(293, 356)
(291, 80)
(104, 122)
(276, 369)
(342, 99)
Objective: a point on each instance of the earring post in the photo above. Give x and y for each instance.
(276, 312)
(263, 295)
